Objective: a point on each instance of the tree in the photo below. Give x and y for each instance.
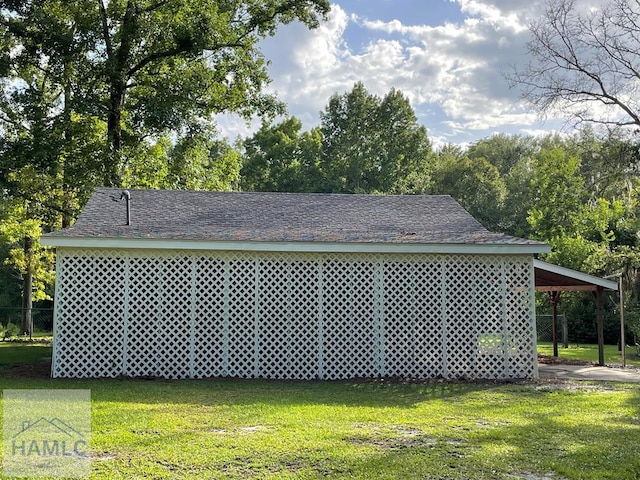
(141, 67)
(609, 164)
(406, 155)
(279, 158)
(586, 65)
(504, 151)
(194, 162)
(33, 263)
(199, 162)
(557, 194)
(372, 144)
(476, 184)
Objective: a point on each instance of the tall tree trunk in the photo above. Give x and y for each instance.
(27, 287)
(114, 134)
(68, 138)
(119, 59)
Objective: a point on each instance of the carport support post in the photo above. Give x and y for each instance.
(554, 298)
(600, 321)
(623, 348)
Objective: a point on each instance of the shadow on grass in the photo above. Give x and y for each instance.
(18, 354)
(28, 366)
(488, 431)
(231, 391)
(274, 392)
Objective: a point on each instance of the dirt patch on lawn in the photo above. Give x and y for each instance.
(392, 437)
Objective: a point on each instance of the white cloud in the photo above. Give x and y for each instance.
(452, 73)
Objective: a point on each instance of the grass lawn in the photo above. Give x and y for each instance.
(590, 353)
(242, 429)
(17, 353)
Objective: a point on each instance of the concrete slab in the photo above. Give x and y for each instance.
(589, 372)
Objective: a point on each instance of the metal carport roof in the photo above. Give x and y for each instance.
(555, 279)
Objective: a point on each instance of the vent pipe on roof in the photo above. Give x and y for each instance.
(127, 198)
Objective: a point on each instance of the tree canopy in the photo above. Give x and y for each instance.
(122, 93)
(372, 144)
(585, 63)
(364, 144)
(117, 73)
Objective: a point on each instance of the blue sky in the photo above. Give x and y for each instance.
(447, 56)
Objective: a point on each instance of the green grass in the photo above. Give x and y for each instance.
(312, 430)
(590, 353)
(239, 429)
(15, 353)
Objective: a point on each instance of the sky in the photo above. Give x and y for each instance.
(448, 57)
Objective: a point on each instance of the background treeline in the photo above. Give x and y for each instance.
(579, 191)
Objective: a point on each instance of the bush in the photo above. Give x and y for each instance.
(11, 330)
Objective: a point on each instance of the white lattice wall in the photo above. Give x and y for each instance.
(288, 315)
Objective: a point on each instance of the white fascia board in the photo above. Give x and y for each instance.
(568, 272)
(320, 247)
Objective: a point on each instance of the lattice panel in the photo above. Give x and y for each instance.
(175, 322)
(490, 327)
(351, 320)
(286, 315)
(413, 333)
(107, 324)
(72, 353)
(143, 334)
(288, 347)
(243, 325)
(211, 326)
(461, 294)
(520, 326)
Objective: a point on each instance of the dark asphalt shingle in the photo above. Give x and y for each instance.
(277, 217)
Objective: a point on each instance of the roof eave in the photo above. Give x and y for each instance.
(583, 281)
(315, 247)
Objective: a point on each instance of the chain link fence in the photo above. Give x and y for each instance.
(42, 318)
(544, 327)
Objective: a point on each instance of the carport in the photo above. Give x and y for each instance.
(555, 279)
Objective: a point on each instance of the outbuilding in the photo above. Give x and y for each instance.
(181, 284)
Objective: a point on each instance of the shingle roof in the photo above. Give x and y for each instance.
(281, 217)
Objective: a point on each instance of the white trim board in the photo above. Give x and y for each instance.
(567, 272)
(321, 247)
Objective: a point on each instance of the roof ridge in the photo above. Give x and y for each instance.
(281, 217)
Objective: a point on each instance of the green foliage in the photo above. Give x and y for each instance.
(504, 151)
(148, 165)
(139, 68)
(518, 201)
(365, 144)
(373, 145)
(557, 193)
(280, 158)
(192, 163)
(10, 281)
(9, 331)
(22, 233)
(608, 166)
(475, 183)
